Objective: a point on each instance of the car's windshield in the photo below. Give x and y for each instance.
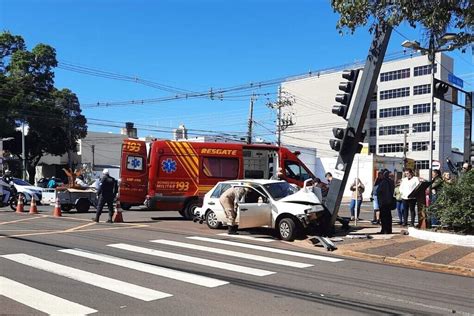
(20, 182)
(279, 190)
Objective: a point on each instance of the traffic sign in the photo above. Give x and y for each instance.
(455, 80)
(436, 165)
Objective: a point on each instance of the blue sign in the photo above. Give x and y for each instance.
(455, 80)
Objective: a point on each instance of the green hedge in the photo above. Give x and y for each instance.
(454, 207)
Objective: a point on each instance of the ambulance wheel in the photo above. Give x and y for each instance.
(211, 220)
(189, 210)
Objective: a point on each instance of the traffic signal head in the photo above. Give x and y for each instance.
(440, 88)
(344, 99)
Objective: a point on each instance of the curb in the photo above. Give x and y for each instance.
(443, 238)
(436, 267)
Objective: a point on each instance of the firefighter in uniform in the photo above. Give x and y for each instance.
(229, 200)
(106, 193)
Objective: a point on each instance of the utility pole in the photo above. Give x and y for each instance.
(279, 118)
(250, 122)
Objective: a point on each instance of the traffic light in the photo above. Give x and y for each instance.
(440, 89)
(348, 88)
(336, 144)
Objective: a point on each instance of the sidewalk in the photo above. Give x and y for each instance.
(364, 243)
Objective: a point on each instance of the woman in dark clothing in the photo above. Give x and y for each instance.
(385, 197)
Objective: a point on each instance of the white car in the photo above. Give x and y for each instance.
(28, 190)
(271, 203)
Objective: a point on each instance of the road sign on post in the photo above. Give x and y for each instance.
(353, 134)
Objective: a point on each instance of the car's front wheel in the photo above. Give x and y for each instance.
(211, 220)
(287, 229)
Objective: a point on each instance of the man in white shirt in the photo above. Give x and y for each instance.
(408, 184)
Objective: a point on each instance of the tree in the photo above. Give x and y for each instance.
(28, 95)
(435, 16)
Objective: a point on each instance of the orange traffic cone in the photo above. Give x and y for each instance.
(57, 209)
(20, 204)
(33, 207)
(117, 218)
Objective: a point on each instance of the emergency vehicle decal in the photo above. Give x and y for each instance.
(181, 155)
(168, 165)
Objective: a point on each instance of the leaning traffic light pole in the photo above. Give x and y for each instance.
(348, 140)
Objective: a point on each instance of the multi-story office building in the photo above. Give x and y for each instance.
(399, 115)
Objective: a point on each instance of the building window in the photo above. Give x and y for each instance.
(398, 111)
(422, 164)
(395, 93)
(391, 148)
(423, 70)
(423, 108)
(371, 149)
(373, 131)
(373, 114)
(395, 75)
(423, 127)
(421, 146)
(422, 89)
(392, 130)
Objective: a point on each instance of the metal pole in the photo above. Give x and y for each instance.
(93, 156)
(405, 132)
(279, 117)
(23, 152)
(432, 54)
(468, 127)
(250, 122)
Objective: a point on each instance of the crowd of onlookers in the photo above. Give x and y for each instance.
(404, 195)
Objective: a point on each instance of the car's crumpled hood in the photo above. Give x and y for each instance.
(303, 196)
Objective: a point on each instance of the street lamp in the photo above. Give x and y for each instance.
(431, 52)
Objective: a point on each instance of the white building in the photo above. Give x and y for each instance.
(401, 105)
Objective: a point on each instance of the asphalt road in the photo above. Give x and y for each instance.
(151, 266)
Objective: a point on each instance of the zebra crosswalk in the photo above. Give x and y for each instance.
(53, 303)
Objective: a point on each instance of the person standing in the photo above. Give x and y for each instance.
(106, 193)
(357, 189)
(408, 184)
(385, 197)
(374, 198)
(398, 196)
(229, 201)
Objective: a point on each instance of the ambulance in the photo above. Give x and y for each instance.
(175, 175)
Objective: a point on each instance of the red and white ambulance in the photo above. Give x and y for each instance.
(175, 175)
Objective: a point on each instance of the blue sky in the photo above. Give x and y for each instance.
(195, 46)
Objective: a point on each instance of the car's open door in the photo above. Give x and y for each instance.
(255, 210)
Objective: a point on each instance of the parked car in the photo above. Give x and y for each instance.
(27, 190)
(272, 203)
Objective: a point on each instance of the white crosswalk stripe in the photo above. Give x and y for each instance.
(132, 290)
(39, 300)
(268, 249)
(231, 253)
(260, 239)
(148, 268)
(194, 260)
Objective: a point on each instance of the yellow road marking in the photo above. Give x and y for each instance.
(74, 231)
(79, 227)
(23, 219)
